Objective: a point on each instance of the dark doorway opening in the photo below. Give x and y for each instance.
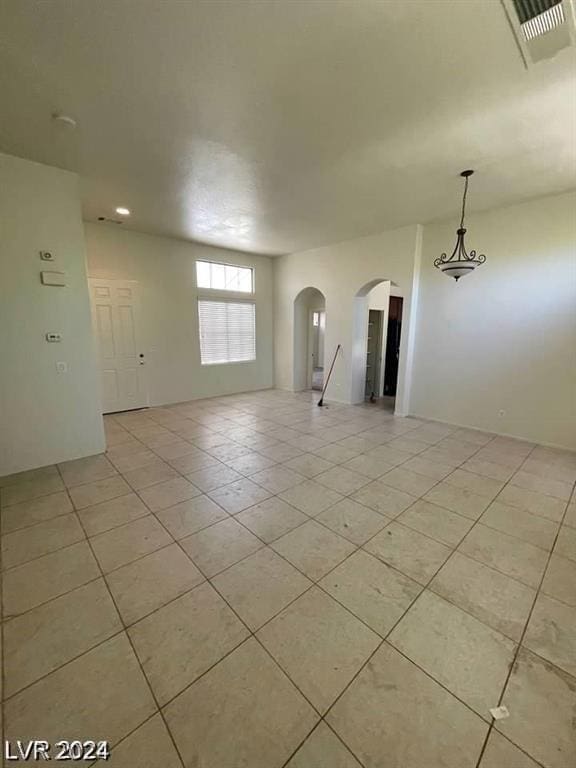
(393, 346)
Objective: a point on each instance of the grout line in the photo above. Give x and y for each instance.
(527, 622)
(129, 639)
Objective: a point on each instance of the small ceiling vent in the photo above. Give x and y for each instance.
(542, 27)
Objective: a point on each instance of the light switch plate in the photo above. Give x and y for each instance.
(53, 278)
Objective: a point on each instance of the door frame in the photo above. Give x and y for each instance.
(310, 342)
(139, 335)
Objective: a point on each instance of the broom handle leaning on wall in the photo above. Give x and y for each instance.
(321, 401)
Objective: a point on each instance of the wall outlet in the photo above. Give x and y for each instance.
(53, 337)
(61, 367)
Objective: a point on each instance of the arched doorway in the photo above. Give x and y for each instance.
(377, 338)
(309, 338)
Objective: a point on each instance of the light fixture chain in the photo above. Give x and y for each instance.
(464, 202)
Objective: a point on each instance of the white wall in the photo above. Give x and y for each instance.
(503, 338)
(45, 416)
(340, 271)
(165, 269)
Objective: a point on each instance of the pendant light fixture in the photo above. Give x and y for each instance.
(460, 263)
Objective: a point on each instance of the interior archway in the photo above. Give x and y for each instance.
(309, 335)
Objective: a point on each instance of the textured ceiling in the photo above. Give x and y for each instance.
(274, 127)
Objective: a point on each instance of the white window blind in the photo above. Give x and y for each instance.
(224, 277)
(227, 331)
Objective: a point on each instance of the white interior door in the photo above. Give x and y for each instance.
(120, 354)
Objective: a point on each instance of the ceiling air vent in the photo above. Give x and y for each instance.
(542, 27)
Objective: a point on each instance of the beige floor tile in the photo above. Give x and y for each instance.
(336, 454)
(508, 555)
(414, 554)
(308, 465)
(560, 580)
(463, 654)
(163, 495)
(239, 495)
(190, 516)
(570, 516)
(111, 514)
(193, 462)
(28, 513)
(29, 585)
(43, 639)
(210, 478)
(497, 600)
(310, 497)
(277, 479)
(148, 583)
(98, 491)
(372, 716)
(221, 545)
(460, 500)
(368, 465)
(137, 460)
(320, 645)
(102, 695)
(522, 524)
(243, 712)
(501, 753)
(129, 542)
(542, 700)
(81, 471)
(271, 519)
(313, 549)
(144, 477)
(437, 522)
(550, 487)
(176, 449)
(478, 484)
(353, 521)
(42, 473)
(29, 543)
(391, 456)
(551, 633)
(431, 469)
(260, 586)
(488, 469)
(408, 444)
(31, 489)
(323, 749)
(408, 481)
(566, 543)
(250, 463)
(149, 746)
(282, 452)
(373, 591)
(384, 499)
(537, 503)
(182, 640)
(342, 480)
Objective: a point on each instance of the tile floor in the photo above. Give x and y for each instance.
(255, 582)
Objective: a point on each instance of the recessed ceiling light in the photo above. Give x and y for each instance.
(123, 211)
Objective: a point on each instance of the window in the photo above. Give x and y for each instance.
(224, 277)
(315, 319)
(227, 331)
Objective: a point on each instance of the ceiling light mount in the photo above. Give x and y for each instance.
(460, 263)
